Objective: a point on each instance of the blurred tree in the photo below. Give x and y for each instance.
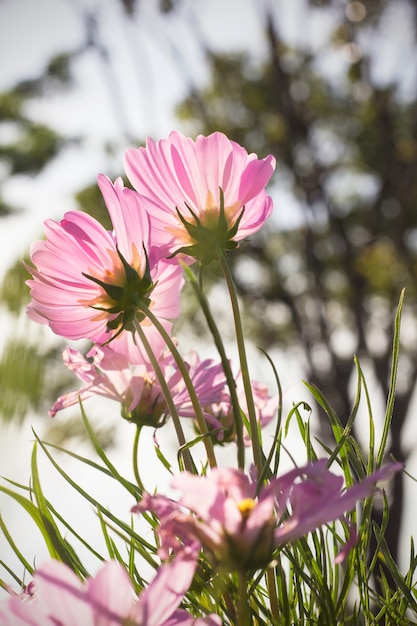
(28, 146)
(29, 379)
(346, 149)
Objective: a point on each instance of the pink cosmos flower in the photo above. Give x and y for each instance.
(89, 283)
(240, 529)
(136, 388)
(57, 596)
(203, 196)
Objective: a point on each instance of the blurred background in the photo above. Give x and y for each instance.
(329, 87)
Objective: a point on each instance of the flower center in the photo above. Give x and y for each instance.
(245, 506)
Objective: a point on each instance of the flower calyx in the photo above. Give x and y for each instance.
(212, 236)
(127, 301)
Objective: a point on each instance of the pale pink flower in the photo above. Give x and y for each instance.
(240, 528)
(203, 196)
(58, 596)
(89, 283)
(265, 408)
(136, 388)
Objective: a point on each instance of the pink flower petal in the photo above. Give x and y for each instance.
(111, 595)
(164, 594)
(61, 595)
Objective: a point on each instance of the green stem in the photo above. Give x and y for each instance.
(231, 383)
(202, 424)
(243, 615)
(167, 394)
(273, 594)
(256, 446)
(135, 458)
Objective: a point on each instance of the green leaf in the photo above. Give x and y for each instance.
(393, 381)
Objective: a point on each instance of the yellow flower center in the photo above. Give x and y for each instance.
(245, 506)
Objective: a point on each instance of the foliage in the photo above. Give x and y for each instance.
(309, 586)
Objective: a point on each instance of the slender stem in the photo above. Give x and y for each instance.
(135, 458)
(202, 424)
(243, 615)
(272, 592)
(256, 446)
(231, 383)
(167, 394)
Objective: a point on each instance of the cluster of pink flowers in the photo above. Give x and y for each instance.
(192, 201)
(190, 197)
(224, 513)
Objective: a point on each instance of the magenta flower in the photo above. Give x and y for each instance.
(203, 196)
(89, 283)
(240, 529)
(58, 596)
(136, 388)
